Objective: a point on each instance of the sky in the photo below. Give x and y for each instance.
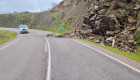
(10, 6)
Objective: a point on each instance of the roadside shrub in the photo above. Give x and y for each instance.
(138, 43)
(138, 39)
(137, 36)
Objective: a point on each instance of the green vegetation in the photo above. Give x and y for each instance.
(108, 12)
(138, 40)
(138, 37)
(6, 35)
(57, 29)
(134, 56)
(15, 19)
(38, 27)
(33, 20)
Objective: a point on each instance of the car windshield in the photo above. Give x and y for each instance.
(24, 26)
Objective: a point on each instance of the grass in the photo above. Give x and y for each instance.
(133, 56)
(66, 25)
(6, 35)
(57, 30)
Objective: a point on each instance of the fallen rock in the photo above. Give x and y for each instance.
(50, 35)
(137, 7)
(110, 33)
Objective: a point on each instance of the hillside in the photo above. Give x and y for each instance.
(13, 20)
(71, 11)
(109, 22)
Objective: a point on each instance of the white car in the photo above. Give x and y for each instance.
(23, 29)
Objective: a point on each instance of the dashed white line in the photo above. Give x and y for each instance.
(133, 68)
(10, 43)
(49, 60)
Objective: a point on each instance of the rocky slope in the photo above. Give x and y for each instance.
(112, 23)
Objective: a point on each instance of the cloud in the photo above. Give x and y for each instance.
(7, 6)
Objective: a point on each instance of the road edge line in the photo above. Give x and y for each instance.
(11, 43)
(49, 60)
(133, 68)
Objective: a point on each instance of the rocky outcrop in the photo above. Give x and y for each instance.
(112, 23)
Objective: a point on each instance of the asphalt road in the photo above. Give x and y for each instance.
(23, 60)
(28, 56)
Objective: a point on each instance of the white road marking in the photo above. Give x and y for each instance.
(45, 47)
(135, 69)
(49, 60)
(10, 43)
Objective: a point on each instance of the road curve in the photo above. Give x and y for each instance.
(26, 60)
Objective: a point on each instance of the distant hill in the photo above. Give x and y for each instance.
(14, 19)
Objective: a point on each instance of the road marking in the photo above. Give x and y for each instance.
(11, 43)
(135, 69)
(49, 60)
(45, 47)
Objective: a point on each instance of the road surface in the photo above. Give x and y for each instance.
(28, 56)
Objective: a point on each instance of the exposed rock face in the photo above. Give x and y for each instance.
(112, 23)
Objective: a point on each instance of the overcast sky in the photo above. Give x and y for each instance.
(7, 6)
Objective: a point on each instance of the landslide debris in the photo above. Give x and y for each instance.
(112, 23)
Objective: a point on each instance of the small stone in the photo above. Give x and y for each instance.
(116, 31)
(91, 38)
(96, 7)
(110, 33)
(137, 7)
